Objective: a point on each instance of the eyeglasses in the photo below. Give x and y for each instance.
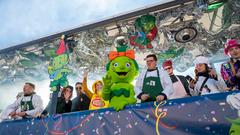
(78, 88)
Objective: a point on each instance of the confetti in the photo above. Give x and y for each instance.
(138, 105)
(198, 103)
(100, 117)
(103, 124)
(207, 128)
(214, 119)
(129, 126)
(222, 103)
(160, 110)
(97, 131)
(213, 112)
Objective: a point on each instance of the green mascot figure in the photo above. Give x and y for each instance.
(57, 69)
(121, 71)
(235, 128)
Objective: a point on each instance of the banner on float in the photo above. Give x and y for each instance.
(205, 115)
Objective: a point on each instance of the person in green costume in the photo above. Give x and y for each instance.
(153, 84)
(234, 101)
(235, 127)
(121, 71)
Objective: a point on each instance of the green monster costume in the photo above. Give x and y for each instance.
(235, 128)
(121, 71)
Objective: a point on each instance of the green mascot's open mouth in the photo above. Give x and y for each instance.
(122, 73)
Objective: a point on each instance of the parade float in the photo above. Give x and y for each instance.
(176, 30)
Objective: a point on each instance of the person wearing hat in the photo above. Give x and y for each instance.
(206, 82)
(153, 84)
(180, 83)
(97, 102)
(29, 105)
(230, 70)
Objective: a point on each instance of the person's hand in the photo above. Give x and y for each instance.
(144, 97)
(159, 98)
(234, 101)
(107, 81)
(21, 114)
(12, 114)
(192, 84)
(42, 116)
(85, 73)
(238, 74)
(212, 73)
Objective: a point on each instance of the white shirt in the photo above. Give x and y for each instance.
(213, 85)
(16, 106)
(164, 78)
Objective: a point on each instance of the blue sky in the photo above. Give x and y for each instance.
(26, 20)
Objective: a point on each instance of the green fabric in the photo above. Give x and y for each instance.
(117, 87)
(26, 105)
(152, 86)
(120, 92)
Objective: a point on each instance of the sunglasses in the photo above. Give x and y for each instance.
(79, 88)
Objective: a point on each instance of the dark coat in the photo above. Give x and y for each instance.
(80, 103)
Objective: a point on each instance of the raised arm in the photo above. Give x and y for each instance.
(107, 87)
(85, 87)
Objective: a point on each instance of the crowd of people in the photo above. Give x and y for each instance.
(153, 84)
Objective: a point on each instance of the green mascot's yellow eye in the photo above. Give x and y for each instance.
(115, 64)
(128, 65)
